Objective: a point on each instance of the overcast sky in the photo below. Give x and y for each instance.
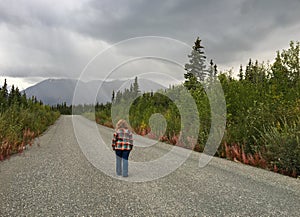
(42, 39)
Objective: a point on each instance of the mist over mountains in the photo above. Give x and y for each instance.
(57, 91)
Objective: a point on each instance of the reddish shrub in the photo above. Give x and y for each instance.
(151, 135)
(236, 152)
(10, 147)
(275, 168)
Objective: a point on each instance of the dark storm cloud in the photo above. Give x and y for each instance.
(57, 38)
(226, 27)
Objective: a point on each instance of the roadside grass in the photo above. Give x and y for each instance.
(275, 157)
(18, 129)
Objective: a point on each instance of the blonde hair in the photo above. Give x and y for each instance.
(122, 124)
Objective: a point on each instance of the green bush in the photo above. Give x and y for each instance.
(282, 143)
(21, 120)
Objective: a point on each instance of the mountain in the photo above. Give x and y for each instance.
(57, 91)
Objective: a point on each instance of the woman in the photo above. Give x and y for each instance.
(122, 144)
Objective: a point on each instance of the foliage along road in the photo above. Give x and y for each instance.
(56, 179)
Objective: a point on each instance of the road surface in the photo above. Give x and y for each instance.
(56, 179)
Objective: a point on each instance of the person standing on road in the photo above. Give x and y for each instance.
(122, 144)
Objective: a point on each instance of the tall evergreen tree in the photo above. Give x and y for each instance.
(11, 95)
(196, 68)
(241, 75)
(136, 88)
(213, 71)
(248, 72)
(3, 96)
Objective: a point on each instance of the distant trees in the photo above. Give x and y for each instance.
(21, 119)
(130, 93)
(14, 98)
(63, 108)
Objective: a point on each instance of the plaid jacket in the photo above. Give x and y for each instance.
(122, 140)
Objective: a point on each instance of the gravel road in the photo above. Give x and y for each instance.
(56, 179)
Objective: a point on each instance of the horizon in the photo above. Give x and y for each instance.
(25, 86)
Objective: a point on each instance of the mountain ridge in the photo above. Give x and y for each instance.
(56, 91)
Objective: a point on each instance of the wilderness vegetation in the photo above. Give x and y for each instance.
(262, 111)
(21, 120)
(262, 104)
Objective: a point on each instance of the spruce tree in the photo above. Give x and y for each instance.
(241, 75)
(3, 96)
(213, 71)
(196, 68)
(248, 71)
(136, 88)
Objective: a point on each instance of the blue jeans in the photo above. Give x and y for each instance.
(122, 157)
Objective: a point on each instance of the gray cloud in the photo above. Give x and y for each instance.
(57, 38)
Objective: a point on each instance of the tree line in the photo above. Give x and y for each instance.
(21, 120)
(262, 104)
